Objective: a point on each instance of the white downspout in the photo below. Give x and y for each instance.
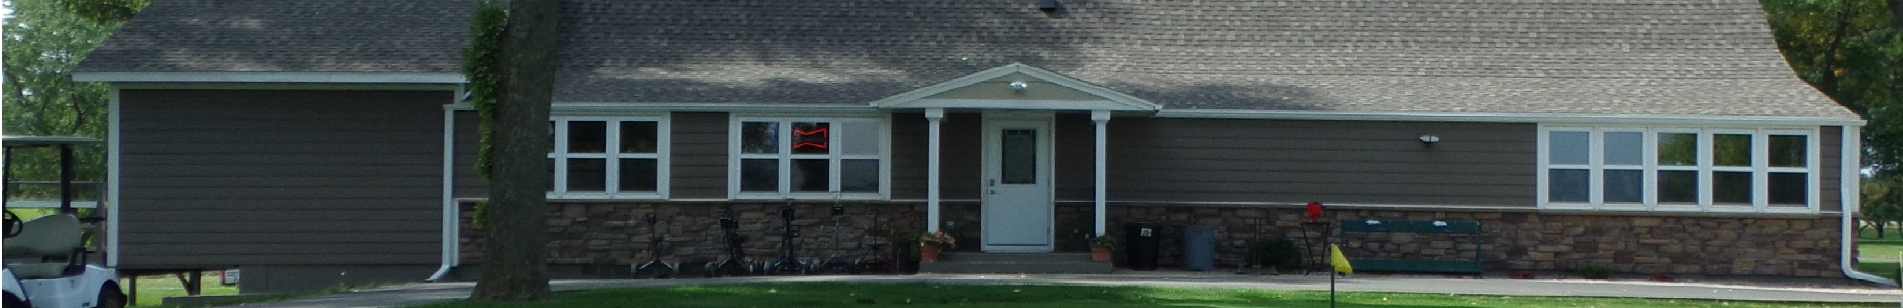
(451, 213)
(1853, 200)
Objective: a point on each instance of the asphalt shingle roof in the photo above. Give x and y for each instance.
(1511, 56)
(289, 36)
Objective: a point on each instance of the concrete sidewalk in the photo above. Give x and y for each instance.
(422, 294)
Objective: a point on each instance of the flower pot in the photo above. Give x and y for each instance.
(928, 253)
(1099, 254)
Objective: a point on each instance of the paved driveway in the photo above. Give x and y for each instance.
(420, 294)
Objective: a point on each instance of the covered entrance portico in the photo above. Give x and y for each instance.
(1018, 105)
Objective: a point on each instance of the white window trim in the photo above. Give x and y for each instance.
(1760, 169)
(663, 129)
(785, 157)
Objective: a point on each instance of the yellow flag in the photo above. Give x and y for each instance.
(1340, 261)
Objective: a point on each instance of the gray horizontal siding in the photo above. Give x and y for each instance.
(1222, 160)
(1830, 168)
(468, 183)
(217, 178)
(699, 159)
(911, 143)
(960, 163)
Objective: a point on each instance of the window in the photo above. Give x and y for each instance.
(1667, 168)
(608, 158)
(809, 158)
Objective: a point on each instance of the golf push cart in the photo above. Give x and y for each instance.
(46, 257)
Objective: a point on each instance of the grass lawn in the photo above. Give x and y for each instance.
(930, 295)
(1879, 255)
(154, 289)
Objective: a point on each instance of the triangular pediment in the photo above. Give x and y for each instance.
(1016, 86)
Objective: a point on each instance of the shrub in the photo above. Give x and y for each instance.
(1275, 253)
(1595, 271)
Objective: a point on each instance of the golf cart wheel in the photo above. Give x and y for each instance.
(14, 302)
(110, 297)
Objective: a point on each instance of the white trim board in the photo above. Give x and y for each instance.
(1542, 118)
(1112, 100)
(272, 77)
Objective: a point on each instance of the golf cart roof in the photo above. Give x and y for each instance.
(39, 141)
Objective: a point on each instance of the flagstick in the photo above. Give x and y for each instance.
(1331, 288)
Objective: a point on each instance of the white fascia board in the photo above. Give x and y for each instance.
(1544, 118)
(270, 77)
(1112, 100)
(1021, 104)
(586, 107)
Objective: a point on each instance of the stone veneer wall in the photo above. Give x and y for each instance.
(597, 233)
(1691, 244)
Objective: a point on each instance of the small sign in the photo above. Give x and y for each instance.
(1144, 232)
(228, 277)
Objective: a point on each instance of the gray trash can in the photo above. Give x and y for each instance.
(1199, 248)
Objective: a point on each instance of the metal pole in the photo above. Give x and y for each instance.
(6, 175)
(66, 179)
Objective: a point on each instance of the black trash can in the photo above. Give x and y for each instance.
(1141, 241)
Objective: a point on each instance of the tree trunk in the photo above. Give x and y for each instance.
(1829, 81)
(515, 259)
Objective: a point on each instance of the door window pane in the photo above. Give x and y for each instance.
(859, 138)
(759, 138)
(1678, 186)
(587, 137)
(1625, 148)
(760, 175)
(1678, 149)
(1018, 156)
(587, 174)
(1731, 150)
(811, 175)
(639, 137)
(1567, 185)
(859, 175)
(1731, 187)
(1790, 189)
(1569, 148)
(811, 138)
(1789, 151)
(1624, 186)
(638, 174)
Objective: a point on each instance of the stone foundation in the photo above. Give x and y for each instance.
(617, 233)
(1692, 244)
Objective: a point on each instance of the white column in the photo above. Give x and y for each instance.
(935, 116)
(1102, 119)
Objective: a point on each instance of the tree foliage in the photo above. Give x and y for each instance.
(1851, 50)
(44, 40)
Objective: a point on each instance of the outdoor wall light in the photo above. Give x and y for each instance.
(1430, 139)
(1019, 85)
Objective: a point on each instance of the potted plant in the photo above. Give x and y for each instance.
(1100, 248)
(931, 244)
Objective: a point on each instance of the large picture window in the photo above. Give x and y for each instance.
(809, 158)
(1666, 168)
(608, 158)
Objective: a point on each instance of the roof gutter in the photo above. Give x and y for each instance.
(1544, 118)
(1852, 204)
(271, 77)
(452, 236)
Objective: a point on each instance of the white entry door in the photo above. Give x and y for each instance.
(1017, 183)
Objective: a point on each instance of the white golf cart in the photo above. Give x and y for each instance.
(46, 258)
